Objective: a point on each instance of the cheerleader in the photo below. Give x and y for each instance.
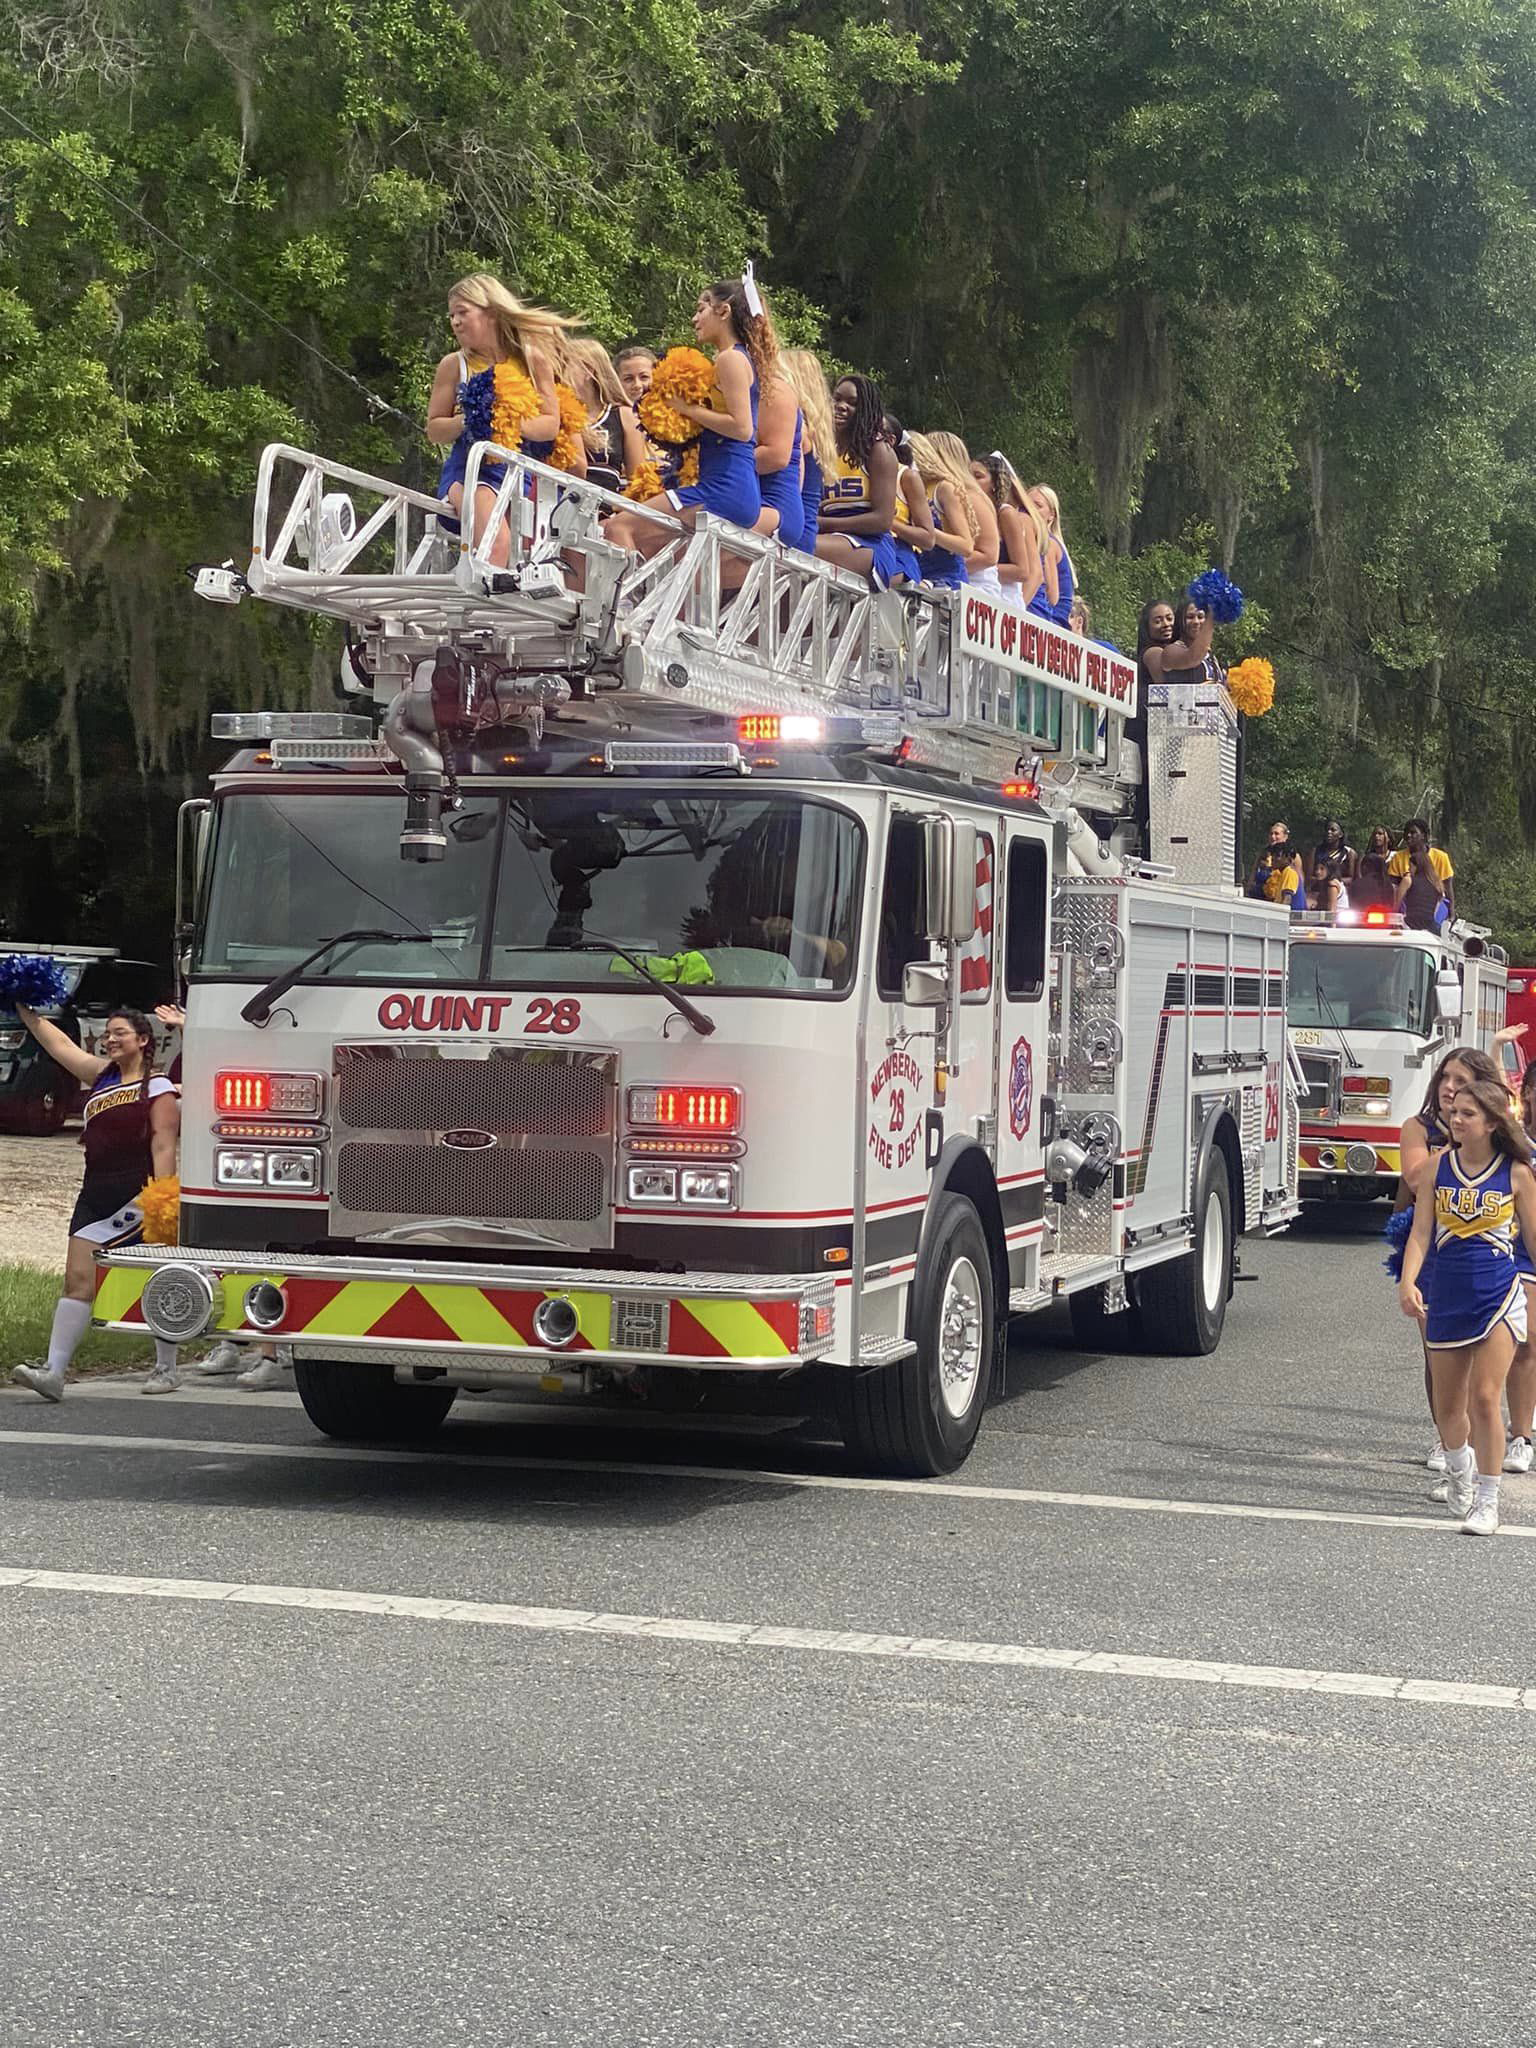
(634, 367)
(912, 524)
(1423, 1136)
(859, 503)
(818, 438)
(490, 327)
(132, 1118)
(614, 445)
(1024, 563)
(728, 319)
(1481, 1191)
(981, 562)
(1520, 1393)
(1057, 560)
(954, 529)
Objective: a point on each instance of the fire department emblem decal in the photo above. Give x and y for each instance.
(1021, 1087)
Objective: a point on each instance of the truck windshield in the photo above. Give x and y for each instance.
(1362, 988)
(732, 888)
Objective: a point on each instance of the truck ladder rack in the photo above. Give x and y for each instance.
(718, 618)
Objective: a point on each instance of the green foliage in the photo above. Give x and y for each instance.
(1253, 285)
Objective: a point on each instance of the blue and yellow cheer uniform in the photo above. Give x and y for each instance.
(1475, 1283)
(848, 492)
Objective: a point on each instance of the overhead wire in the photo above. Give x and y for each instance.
(376, 405)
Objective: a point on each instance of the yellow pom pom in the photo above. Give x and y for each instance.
(515, 400)
(160, 1204)
(684, 373)
(645, 483)
(573, 425)
(688, 468)
(1251, 686)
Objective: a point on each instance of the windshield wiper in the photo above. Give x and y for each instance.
(259, 1008)
(1331, 1017)
(696, 1017)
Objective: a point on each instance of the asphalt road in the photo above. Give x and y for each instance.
(561, 1733)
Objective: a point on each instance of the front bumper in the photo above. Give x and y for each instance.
(481, 1318)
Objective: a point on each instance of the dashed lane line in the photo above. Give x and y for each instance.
(744, 1635)
(731, 1475)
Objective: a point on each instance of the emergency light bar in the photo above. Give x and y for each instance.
(673, 754)
(291, 725)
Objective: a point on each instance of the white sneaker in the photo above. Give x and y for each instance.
(1483, 1520)
(49, 1384)
(1440, 1490)
(267, 1374)
(165, 1379)
(225, 1358)
(1461, 1491)
(1436, 1459)
(1517, 1454)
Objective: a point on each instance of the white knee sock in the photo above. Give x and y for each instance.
(165, 1356)
(71, 1320)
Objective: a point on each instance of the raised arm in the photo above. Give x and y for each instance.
(1181, 654)
(58, 1045)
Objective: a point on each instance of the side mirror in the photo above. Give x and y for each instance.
(923, 985)
(949, 853)
(1448, 997)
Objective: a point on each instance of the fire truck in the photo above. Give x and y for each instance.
(1373, 1006)
(697, 975)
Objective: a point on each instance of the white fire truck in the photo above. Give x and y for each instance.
(760, 995)
(1373, 1006)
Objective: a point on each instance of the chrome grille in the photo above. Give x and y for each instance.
(541, 1094)
(465, 1143)
(542, 1187)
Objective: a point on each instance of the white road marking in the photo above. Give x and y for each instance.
(746, 1635)
(727, 1475)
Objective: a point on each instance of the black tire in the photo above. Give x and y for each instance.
(895, 1418)
(367, 1404)
(46, 1113)
(1094, 1328)
(1178, 1317)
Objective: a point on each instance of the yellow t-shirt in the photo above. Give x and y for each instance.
(1401, 864)
(1281, 883)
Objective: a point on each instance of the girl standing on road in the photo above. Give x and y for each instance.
(1481, 1192)
(132, 1119)
(1424, 1137)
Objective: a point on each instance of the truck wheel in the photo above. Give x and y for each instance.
(1094, 1328)
(366, 1402)
(46, 1113)
(919, 1417)
(1184, 1301)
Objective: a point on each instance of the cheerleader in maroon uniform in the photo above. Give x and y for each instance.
(132, 1120)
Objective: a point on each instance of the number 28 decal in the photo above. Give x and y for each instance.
(561, 1017)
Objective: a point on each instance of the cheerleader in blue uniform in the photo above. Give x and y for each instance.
(780, 428)
(860, 500)
(491, 326)
(954, 528)
(730, 320)
(1058, 608)
(912, 521)
(1481, 1191)
(818, 439)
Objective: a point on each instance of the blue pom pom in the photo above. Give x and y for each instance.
(33, 979)
(1397, 1233)
(477, 394)
(1218, 595)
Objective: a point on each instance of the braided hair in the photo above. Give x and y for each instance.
(864, 429)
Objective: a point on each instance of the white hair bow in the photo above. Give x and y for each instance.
(750, 292)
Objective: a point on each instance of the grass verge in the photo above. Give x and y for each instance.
(27, 1296)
